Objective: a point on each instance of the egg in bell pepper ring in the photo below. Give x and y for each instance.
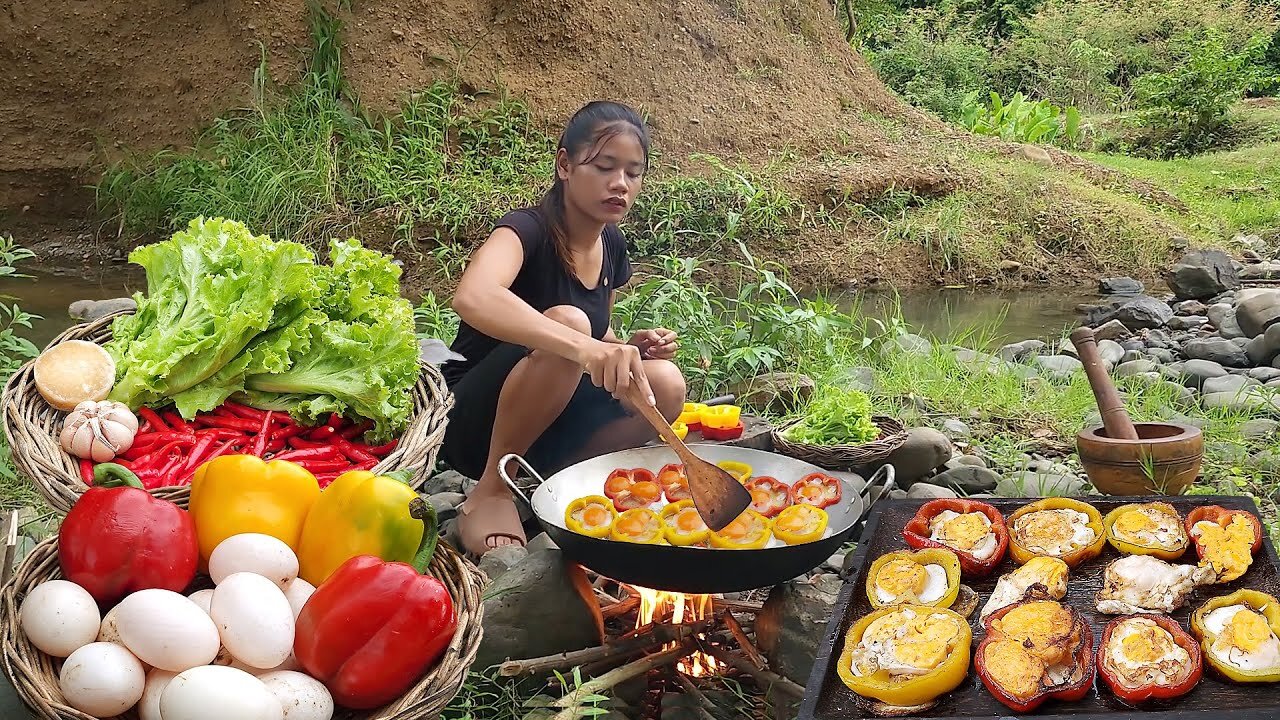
(974, 530)
(800, 524)
(905, 656)
(1145, 657)
(1147, 529)
(1059, 527)
(1240, 635)
(640, 525)
(592, 515)
(1226, 540)
(921, 577)
(682, 525)
(748, 531)
(1034, 651)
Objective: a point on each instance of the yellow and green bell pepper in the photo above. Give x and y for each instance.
(1132, 547)
(1021, 554)
(236, 494)
(943, 557)
(360, 513)
(907, 690)
(1259, 602)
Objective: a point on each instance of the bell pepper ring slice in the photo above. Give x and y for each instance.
(943, 557)
(1224, 551)
(617, 482)
(748, 531)
(1002, 658)
(1134, 546)
(683, 526)
(917, 535)
(675, 485)
(1257, 601)
(1190, 673)
(818, 489)
(640, 525)
(592, 515)
(769, 496)
(907, 690)
(800, 524)
(641, 494)
(1074, 558)
(740, 470)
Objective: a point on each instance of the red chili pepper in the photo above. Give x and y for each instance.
(1068, 692)
(236, 423)
(769, 496)
(323, 466)
(373, 628)
(86, 471)
(354, 453)
(155, 456)
(356, 431)
(175, 421)
(163, 437)
(219, 433)
(1148, 691)
(324, 432)
(119, 539)
(244, 411)
(150, 416)
(365, 466)
(275, 446)
(191, 468)
(264, 434)
(382, 450)
(917, 534)
(292, 430)
(324, 452)
(335, 421)
(303, 443)
(197, 456)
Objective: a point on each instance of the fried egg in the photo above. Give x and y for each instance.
(1047, 630)
(1150, 526)
(1143, 653)
(1055, 532)
(1145, 584)
(595, 514)
(906, 642)
(1244, 639)
(1041, 577)
(1033, 646)
(904, 580)
(640, 525)
(748, 530)
(968, 532)
(1228, 550)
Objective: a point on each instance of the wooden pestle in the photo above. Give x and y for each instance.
(1114, 417)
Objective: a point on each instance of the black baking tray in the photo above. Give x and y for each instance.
(827, 697)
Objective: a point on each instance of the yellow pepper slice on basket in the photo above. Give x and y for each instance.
(682, 525)
(748, 531)
(800, 524)
(591, 515)
(905, 577)
(936, 640)
(236, 494)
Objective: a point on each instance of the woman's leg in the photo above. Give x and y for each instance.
(534, 394)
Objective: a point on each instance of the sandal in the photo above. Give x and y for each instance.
(483, 519)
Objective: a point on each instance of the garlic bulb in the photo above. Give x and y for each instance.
(99, 431)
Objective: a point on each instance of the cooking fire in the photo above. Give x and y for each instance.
(678, 608)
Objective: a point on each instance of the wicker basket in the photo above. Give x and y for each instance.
(35, 675)
(845, 457)
(32, 427)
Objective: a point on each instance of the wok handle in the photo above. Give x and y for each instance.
(502, 470)
(887, 481)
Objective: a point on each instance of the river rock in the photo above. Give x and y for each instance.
(858, 378)
(536, 608)
(1260, 430)
(1258, 311)
(1136, 367)
(1119, 286)
(792, 624)
(90, 310)
(1264, 374)
(930, 491)
(1218, 311)
(1017, 352)
(1111, 352)
(1161, 355)
(501, 559)
(1181, 395)
(448, 481)
(1201, 274)
(1187, 322)
(1195, 372)
(1246, 401)
(1265, 347)
(1189, 308)
(1217, 350)
(924, 451)
(965, 356)
(1029, 483)
(956, 429)
(1059, 367)
(1111, 330)
(968, 479)
(1229, 384)
(906, 343)
(775, 392)
(958, 461)
(1143, 311)
(446, 504)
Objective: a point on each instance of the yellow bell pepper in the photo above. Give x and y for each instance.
(748, 531)
(1022, 554)
(908, 690)
(800, 524)
(590, 515)
(682, 525)
(360, 513)
(1134, 546)
(739, 470)
(942, 557)
(680, 429)
(1259, 602)
(236, 494)
(638, 525)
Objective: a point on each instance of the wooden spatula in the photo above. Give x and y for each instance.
(717, 495)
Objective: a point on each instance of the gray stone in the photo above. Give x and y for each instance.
(535, 609)
(1218, 312)
(1179, 394)
(930, 491)
(447, 481)
(1111, 352)
(1143, 311)
(1119, 286)
(959, 461)
(1058, 367)
(1131, 354)
(1201, 274)
(906, 343)
(1258, 311)
(965, 356)
(968, 479)
(792, 624)
(1223, 352)
(1228, 384)
(1023, 372)
(446, 504)
(1111, 330)
(955, 429)
(1264, 374)
(1187, 322)
(1161, 355)
(501, 559)
(897, 494)
(1265, 347)
(1230, 327)
(1190, 307)
(1017, 352)
(858, 378)
(1029, 483)
(1136, 367)
(924, 451)
(1260, 430)
(1195, 372)
(90, 310)
(775, 392)
(1247, 401)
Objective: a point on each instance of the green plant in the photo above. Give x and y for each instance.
(1023, 120)
(931, 59)
(15, 491)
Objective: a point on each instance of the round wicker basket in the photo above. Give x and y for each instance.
(35, 675)
(845, 457)
(32, 428)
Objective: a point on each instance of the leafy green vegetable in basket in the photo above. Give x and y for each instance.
(835, 417)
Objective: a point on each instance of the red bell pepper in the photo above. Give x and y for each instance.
(372, 629)
(119, 539)
(1143, 691)
(817, 489)
(675, 485)
(917, 535)
(1082, 662)
(769, 496)
(1229, 565)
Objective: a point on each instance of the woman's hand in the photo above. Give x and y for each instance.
(616, 367)
(656, 344)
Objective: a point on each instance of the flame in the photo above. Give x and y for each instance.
(678, 608)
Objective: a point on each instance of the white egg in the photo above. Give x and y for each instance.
(982, 549)
(149, 705)
(299, 592)
(257, 553)
(102, 679)
(936, 585)
(1267, 655)
(1164, 669)
(109, 631)
(214, 692)
(202, 598)
(301, 696)
(1077, 524)
(59, 617)
(166, 630)
(254, 618)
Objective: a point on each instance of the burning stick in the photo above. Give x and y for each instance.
(742, 606)
(633, 669)
(620, 608)
(743, 641)
(646, 639)
(704, 706)
(763, 677)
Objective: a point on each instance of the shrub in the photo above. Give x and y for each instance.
(1023, 120)
(931, 61)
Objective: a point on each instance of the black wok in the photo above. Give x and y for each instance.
(689, 569)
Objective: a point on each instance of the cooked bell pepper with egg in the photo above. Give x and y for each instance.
(1147, 529)
(1067, 529)
(1035, 651)
(769, 496)
(1042, 578)
(1226, 540)
(618, 481)
(974, 530)
(1144, 657)
(674, 483)
(1240, 635)
(921, 577)
(591, 516)
(640, 494)
(682, 525)
(740, 470)
(906, 655)
(800, 524)
(640, 525)
(748, 531)
(817, 489)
